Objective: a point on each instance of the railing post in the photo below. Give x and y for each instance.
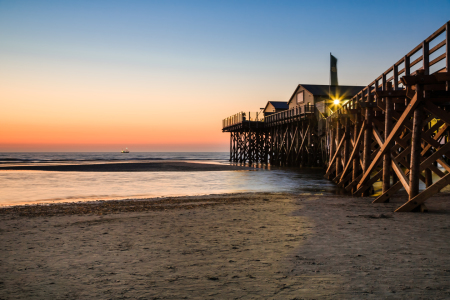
(426, 57)
(447, 51)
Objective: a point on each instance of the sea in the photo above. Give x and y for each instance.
(43, 187)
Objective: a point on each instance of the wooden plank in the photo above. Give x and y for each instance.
(424, 195)
(342, 181)
(436, 137)
(390, 93)
(371, 181)
(425, 79)
(389, 193)
(436, 171)
(412, 105)
(438, 112)
(433, 157)
(378, 137)
(403, 141)
(355, 150)
(336, 154)
(401, 176)
(416, 148)
(435, 48)
(353, 183)
(437, 59)
(442, 76)
(404, 153)
(443, 164)
(437, 32)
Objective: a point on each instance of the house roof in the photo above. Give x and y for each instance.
(277, 105)
(345, 91)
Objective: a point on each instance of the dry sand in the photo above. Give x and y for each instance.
(241, 246)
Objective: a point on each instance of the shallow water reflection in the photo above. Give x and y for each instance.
(20, 187)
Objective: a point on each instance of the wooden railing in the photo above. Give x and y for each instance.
(242, 117)
(432, 56)
(290, 113)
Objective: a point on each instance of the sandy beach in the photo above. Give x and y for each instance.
(234, 246)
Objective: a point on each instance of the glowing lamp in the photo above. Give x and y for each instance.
(336, 101)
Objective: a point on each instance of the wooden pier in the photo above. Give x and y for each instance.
(394, 130)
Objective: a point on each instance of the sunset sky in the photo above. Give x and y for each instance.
(161, 75)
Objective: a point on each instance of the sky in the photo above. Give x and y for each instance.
(161, 75)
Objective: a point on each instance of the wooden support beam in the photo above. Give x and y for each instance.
(386, 178)
(339, 135)
(357, 143)
(416, 147)
(370, 182)
(342, 180)
(346, 158)
(354, 152)
(424, 195)
(438, 112)
(352, 184)
(387, 194)
(412, 105)
(335, 155)
(367, 147)
(401, 176)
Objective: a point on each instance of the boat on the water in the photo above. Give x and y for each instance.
(125, 151)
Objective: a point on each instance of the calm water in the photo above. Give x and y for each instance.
(41, 157)
(20, 187)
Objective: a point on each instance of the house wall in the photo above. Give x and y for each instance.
(307, 98)
(269, 109)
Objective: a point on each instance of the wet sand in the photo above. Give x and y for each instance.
(237, 246)
(153, 166)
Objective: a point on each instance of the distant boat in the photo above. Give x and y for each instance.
(125, 151)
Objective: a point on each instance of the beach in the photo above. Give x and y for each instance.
(228, 246)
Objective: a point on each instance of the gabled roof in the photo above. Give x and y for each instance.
(345, 91)
(277, 104)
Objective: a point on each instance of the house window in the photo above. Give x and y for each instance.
(300, 98)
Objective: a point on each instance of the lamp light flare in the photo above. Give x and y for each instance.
(336, 101)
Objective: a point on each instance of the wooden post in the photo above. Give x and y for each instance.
(416, 147)
(338, 155)
(426, 57)
(332, 145)
(356, 129)
(231, 145)
(428, 174)
(407, 66)
(367, 137)
(387, 130)
(346, 142)
(447, 51)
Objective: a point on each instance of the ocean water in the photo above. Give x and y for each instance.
(43, 157)
(28, 187)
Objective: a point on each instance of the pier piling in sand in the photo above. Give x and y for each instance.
(396, 129)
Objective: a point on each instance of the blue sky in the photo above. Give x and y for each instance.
(221, 56)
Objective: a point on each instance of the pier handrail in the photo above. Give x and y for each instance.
(433, 53)
(241, 117)
(290, 113)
